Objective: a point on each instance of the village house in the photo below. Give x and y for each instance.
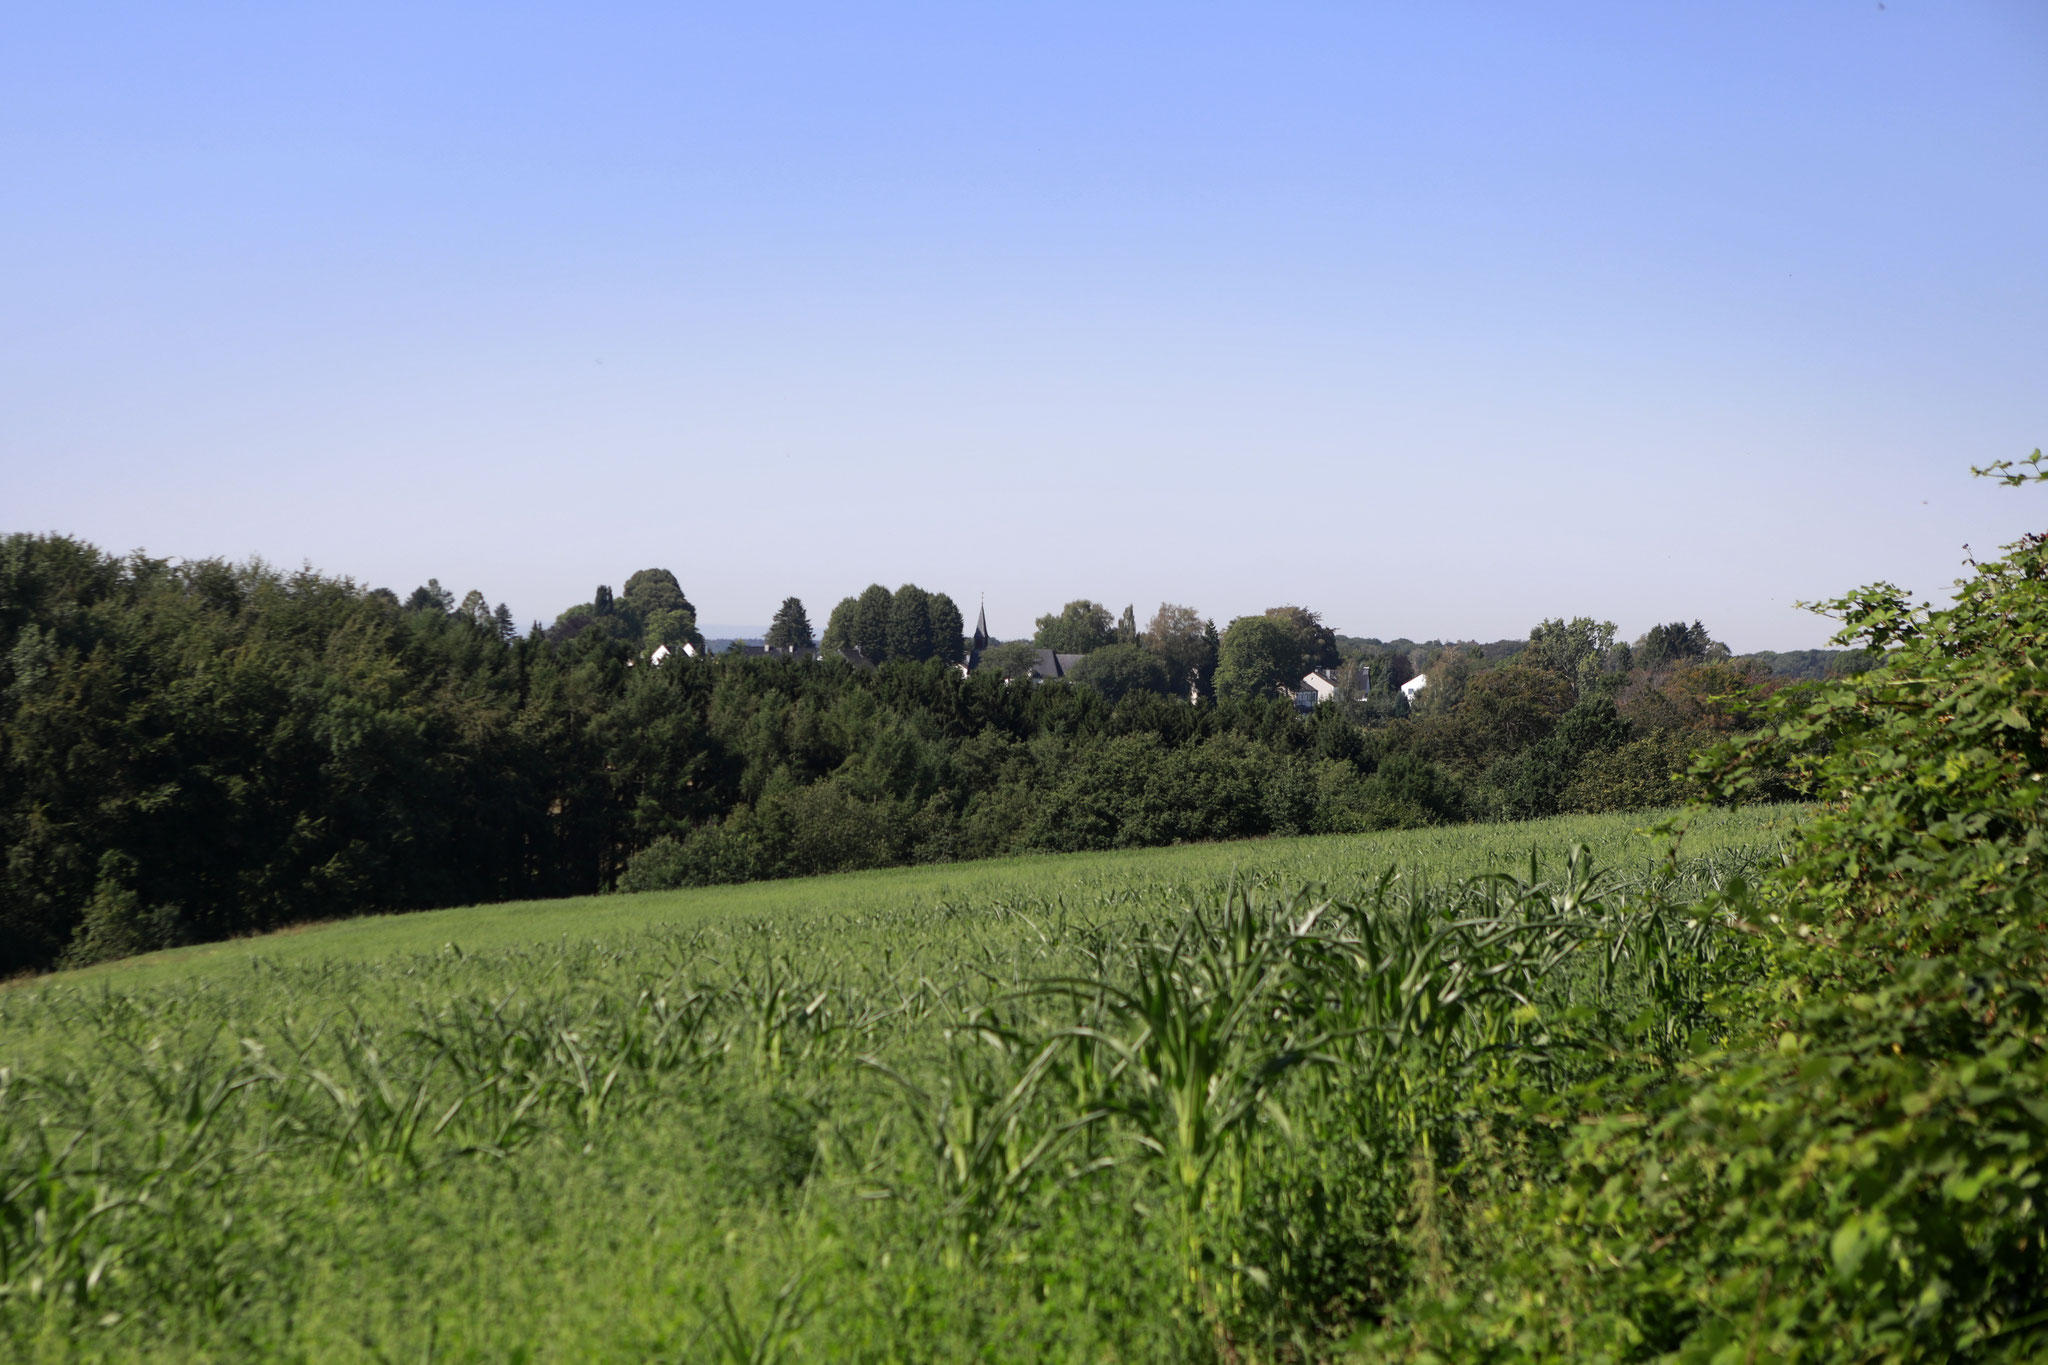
(1327, 684)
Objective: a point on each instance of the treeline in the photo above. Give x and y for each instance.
(908, 625)
(194, 750)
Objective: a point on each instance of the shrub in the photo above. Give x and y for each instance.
(1115, 671)
(1850, 1163)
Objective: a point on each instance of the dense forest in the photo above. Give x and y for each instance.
(192, 750)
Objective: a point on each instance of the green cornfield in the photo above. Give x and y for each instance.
(1208, 1102)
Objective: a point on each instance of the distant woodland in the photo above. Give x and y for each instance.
(193, 750)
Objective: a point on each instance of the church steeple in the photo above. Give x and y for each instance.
(981, 629)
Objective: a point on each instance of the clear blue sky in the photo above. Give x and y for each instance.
(1438, 318)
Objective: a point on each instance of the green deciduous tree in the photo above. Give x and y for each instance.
(1013, 660)
(1385, 670)
(1318, 643)
(1582, 651)
(910, 623)
(869, 628)
(1258, 654)
(1115, 671)
(948, 629)
(839, 625)
(1676, 643)
(1080, 626)
(1448, 673)
(658, 613)
(1186, 644)
(1503, 711)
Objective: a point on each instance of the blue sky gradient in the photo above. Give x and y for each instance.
(1439, 319)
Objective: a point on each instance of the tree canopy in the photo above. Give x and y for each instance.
(839, 625)
(1676, 643)
(1258, 654)
(1115, 671)
(1127, 626)
(1317, 642)
(1078, 627)
(1013, 660)
(1186, 644)
(947, 628)
(791, 628)
(908, 624)
(650, 612)
(208, 748)
(873, 611)
(1580, 651)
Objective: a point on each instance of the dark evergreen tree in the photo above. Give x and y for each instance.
(791, 629)
(432, 597)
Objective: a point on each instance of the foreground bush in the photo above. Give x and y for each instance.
(1849, 1165)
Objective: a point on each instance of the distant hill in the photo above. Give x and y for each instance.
(1351, 646)
(1812, 664)
(1791, 664)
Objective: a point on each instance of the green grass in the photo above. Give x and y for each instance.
(835, 1118)
(1345, 863)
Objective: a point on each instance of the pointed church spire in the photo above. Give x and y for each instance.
(981, 628)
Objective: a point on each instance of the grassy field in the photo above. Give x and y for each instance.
(922, 1114)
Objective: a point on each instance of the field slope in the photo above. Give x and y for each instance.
(1345, 864)
(859, 1117)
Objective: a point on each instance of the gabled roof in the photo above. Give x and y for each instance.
(1051, 665)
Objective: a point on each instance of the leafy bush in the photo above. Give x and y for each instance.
(1850, 1162)
(1115, 671)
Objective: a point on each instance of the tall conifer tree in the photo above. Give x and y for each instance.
(791, 628)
